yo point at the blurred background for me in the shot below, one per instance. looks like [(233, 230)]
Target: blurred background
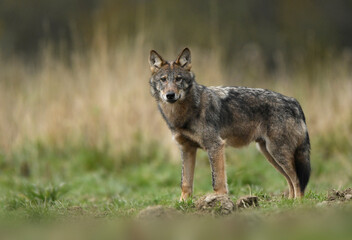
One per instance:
[(75, 107), (288, 27)]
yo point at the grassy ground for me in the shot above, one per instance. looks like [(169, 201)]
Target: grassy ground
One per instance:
[(84, 139), (62, 189), (42, 182)]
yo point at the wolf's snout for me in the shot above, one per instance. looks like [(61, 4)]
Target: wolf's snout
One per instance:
[(170, 96)]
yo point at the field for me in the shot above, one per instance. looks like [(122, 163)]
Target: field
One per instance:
[(81, 136)]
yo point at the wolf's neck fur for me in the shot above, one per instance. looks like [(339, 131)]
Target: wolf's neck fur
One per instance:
[(178, 114)]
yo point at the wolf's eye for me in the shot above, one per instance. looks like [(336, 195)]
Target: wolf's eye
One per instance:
[(178, 79), (163, 79)]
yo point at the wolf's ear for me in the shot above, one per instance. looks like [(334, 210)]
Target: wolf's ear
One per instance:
[(155, 61), (184, 59)]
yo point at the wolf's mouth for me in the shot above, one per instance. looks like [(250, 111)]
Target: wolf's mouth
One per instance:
[(171, 100)]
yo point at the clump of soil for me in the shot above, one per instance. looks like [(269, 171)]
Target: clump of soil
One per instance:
[(337, 197), (345, 195), (215, 204), (247, 202), (157, 212)]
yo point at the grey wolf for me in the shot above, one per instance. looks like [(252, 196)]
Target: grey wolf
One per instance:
[(213, 117)]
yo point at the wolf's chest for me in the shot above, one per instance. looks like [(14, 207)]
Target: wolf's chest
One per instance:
[(181, 135), (176, 117)]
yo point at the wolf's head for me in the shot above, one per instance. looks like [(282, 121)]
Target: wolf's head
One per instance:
[(171, 81)]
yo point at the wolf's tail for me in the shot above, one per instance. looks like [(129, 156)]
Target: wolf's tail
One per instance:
[(302, 162)]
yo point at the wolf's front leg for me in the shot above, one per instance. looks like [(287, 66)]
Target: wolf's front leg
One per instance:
[(188, 154), (218, 171)]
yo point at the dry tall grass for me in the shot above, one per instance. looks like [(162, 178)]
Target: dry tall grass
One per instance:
[(103, 96)]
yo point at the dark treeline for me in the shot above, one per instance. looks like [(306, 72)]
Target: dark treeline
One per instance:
[(287, 25)]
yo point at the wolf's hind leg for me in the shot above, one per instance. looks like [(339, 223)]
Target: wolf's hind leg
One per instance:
[(284, 157), (262, 147)]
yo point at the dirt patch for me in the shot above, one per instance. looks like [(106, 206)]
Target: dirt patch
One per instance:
[(215, 204), (247, 202), (336, 197), (157, 212), (345, 195)]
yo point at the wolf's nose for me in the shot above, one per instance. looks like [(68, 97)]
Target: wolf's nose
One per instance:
[(170, 95)]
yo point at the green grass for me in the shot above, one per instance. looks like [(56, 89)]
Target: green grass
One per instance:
[(41, 182), (44, 184)]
